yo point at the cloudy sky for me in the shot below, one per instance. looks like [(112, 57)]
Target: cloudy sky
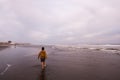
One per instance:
[(60, 21)]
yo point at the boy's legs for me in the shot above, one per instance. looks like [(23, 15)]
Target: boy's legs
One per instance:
[(42, 65)]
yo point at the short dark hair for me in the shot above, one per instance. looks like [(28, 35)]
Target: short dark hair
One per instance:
[(43, 48)]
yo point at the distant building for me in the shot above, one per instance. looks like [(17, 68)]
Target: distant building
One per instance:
[(9, 42)]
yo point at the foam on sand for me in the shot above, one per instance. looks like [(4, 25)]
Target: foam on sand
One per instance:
[(2, 73)]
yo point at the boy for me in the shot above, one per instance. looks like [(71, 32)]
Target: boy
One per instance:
[(42, 55)]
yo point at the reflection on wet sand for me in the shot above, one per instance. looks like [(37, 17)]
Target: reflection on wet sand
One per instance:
[(42, 75), (3, 47)]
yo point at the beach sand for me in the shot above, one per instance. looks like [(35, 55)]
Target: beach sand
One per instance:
[(63, 63)]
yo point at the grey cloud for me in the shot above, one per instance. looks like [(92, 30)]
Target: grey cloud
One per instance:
[(60, 21)]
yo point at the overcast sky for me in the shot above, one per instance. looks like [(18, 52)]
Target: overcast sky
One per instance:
[(60, 21)]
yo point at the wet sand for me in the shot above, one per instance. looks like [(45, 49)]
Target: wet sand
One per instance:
[(3, 47), (63, 63)]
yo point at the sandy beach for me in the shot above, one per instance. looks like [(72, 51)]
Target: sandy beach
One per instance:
[(63, 63)]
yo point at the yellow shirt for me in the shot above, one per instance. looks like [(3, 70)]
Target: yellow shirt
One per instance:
[(42, 54)]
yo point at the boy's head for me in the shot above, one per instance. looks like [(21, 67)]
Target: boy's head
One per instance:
[(43, 48)]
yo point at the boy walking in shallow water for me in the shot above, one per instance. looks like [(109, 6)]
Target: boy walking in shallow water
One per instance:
[(42, 55)]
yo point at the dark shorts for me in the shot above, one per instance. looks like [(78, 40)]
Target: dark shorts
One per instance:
[(42, 59)]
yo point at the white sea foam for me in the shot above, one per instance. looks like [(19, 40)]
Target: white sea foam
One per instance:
[(106, 47), (2, 73)]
